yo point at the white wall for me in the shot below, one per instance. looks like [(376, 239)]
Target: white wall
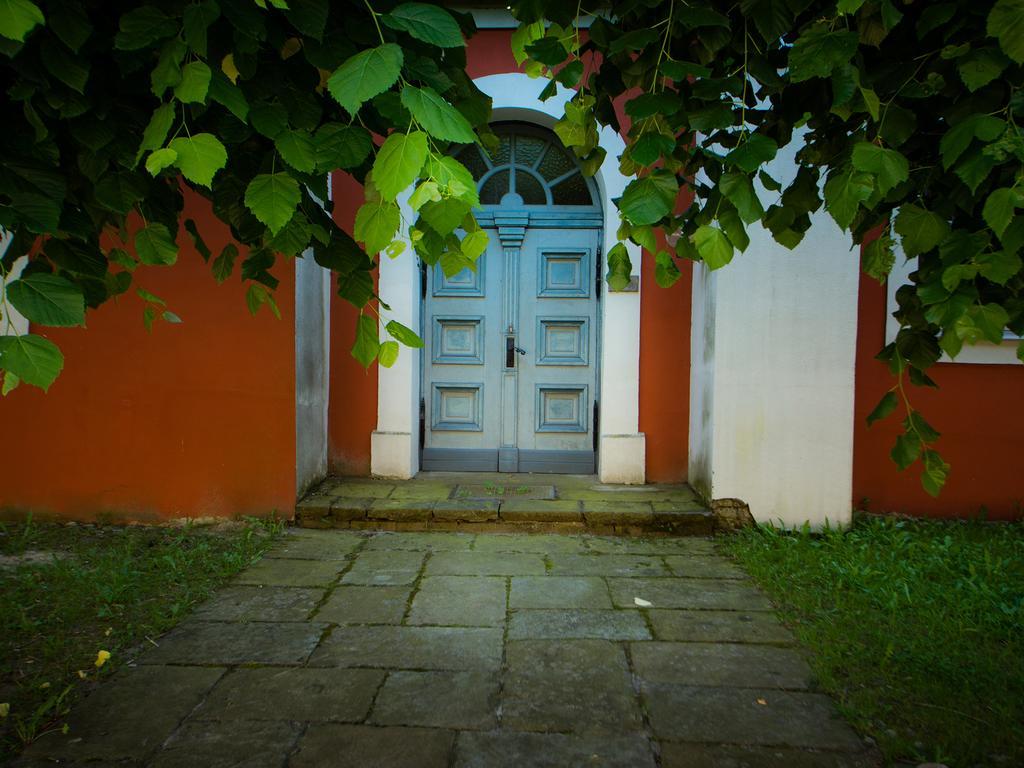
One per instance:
[(772, 376), (13, 323), (312, 329)]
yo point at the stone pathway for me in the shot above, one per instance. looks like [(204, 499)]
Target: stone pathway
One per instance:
[(477, 651)]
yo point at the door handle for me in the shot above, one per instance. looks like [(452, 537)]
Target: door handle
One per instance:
[(510, 351)]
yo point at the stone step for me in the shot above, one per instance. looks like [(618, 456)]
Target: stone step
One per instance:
[(325, 508)]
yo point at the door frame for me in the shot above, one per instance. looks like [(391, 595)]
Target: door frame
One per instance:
[(395, 444)]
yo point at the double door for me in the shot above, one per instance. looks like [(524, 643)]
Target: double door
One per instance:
[(510, 359)]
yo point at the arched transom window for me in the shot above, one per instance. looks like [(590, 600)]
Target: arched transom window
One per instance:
[(530, 162)]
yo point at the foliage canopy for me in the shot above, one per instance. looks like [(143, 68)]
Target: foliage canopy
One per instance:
[(901, 115)]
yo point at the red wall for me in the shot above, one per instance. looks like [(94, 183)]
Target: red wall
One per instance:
[(977, 408), (664, 339), (191, 420)]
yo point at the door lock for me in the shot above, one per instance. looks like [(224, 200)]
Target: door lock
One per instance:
[(510, 351), (520, 350)]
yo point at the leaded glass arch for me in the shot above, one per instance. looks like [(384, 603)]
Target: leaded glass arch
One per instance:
[(532, 163)]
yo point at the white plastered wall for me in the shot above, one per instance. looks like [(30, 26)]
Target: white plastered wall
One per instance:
[(394, 445), (772, 376), (12, 323)]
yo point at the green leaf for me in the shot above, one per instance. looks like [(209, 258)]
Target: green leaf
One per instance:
[(429, 23), (452, 178), (878, 258), (341, 146), (974, 169), (367, 344), (200, 156), (18, 18), (160, 159), (273, 198), (620, 268), (958, 138), (1006, 22), (753, 153), (445, 215), (885, 406), (156, 130), (887, 165), (739, 190), (666, 273), (298, 149), (906, 450), (933, 478), (376, 225), (197, 239), (474, 244), (649, 199), (817, 52), (256, 296), (425, 192), (405, 335), (224, 264), (844, 193), (365, 75), (769, 183), (154, 245), (398, 162), (999, 209), (731, 223), (999, 266), (228, 95), (919, 230), (848, 6), (388, 353), (196, 21), (713, 246), (167, 72), (981, 67), (48, 299), (195, 83), (269, 119), (11, 382), (142, 27), (32, 359), (990, 319), (436, 116)]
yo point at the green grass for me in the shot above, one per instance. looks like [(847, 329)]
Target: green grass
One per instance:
[(917, 630), (114, 589)]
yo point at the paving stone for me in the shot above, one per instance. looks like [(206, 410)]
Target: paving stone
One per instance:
[(362, 746), (728, 595), (608, 565), (295, 694), (650, 546), (227, 745), (726, 756), (363, 490), (129, 716), (462, 700), (410, 648), (468, 511), (385, 568), (719, 626), (401, 510), (291, 573), (508, 749), (535, 543), (314, 506), (617, 493), (346, 508), (201, 642), (554, 624), (700, 567), (365, 605), (677, 506), (419, 489), (260, 604), (421, 542), (559, 592), (540, 510), (618, 512), (323, 545), (734, 716), (568, 686), (746, 666), (469, 601), (485, 564)]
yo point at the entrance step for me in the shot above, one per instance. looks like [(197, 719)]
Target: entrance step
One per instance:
[(506, 504)]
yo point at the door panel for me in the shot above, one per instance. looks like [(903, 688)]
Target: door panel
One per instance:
[(510, 377)]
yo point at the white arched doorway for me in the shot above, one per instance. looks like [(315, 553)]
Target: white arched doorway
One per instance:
[(395, 444)]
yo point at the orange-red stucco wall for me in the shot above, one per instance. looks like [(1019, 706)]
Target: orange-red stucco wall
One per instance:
[(664, 338), (977, 408), (191, 420)]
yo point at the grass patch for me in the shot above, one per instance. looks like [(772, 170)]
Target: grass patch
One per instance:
[(110, 588), (917, 629)]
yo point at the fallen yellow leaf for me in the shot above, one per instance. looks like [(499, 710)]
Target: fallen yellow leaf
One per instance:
[(762, 702), (5, 709), (101, 658)]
